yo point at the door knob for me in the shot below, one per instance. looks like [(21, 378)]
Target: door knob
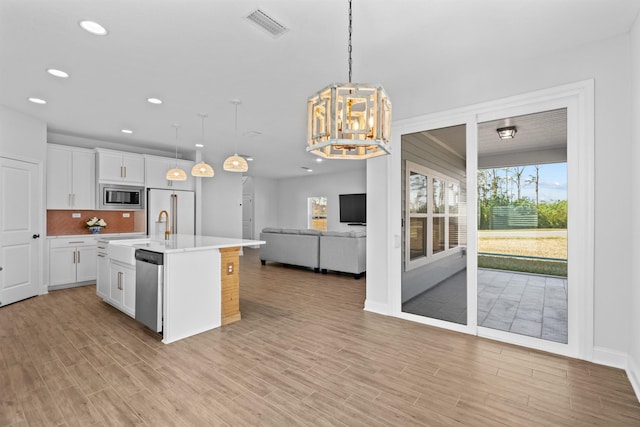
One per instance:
[(36, 236)]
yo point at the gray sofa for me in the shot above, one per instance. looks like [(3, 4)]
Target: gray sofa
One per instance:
[(321, 250), (290, 246)]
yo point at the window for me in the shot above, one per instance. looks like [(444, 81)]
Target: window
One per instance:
[(433, 211), (317, 213)]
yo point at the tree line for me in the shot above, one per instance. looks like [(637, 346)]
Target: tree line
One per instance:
[(503, 187)]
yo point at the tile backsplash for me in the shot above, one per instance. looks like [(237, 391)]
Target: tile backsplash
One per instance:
[(62, 222)]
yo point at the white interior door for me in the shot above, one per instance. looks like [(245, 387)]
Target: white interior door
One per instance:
[(247, 216), (20, 213)]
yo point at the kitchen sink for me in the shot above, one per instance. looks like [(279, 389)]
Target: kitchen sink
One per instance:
[(122, 253)]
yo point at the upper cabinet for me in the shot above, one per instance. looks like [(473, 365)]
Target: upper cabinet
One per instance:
[(156, 171), (120, 167), (70, 178)]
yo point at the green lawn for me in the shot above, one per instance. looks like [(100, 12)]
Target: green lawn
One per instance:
[(532, 243)]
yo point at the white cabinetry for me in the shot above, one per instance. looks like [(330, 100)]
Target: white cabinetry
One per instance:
[(102, 276), (116, 282), (119, 167), (122, 279), (156, 171), (70, 178), (72, 260)]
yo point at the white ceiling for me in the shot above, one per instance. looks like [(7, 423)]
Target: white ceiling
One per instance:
[(197, 55), (535, 133)]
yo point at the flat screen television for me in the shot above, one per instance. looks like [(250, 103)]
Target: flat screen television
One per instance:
[(353, 208)]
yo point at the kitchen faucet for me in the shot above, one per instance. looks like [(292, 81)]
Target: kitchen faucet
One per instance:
[(166, 228)]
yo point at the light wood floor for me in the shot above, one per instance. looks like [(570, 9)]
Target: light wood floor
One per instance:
[(305, 353)]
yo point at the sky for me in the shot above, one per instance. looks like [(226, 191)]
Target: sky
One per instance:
[(553, 182)]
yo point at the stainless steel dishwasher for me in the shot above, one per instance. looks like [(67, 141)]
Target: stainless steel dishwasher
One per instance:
[(149, 279)]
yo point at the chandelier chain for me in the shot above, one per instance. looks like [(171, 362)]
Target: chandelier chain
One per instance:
[(350, 47)]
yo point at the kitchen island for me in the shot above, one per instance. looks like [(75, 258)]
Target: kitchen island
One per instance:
[(198, 282)]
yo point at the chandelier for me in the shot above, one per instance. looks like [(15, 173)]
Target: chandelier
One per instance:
[(349, 120)]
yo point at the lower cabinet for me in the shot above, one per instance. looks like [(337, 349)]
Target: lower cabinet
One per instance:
[(103, 280), (72, 260), (122, 287)]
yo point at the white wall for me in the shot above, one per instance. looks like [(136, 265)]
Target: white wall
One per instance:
[(634, 335), (265, 204), (293, 194), (24, 138), (608, 62), (221, 199)]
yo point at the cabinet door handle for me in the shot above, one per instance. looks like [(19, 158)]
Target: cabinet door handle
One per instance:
[(74, 257), (101, 255), (121, 176), (78, 257), (125, 171), (120, 280)]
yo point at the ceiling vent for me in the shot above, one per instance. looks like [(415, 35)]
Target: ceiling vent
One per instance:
[(267, 23)]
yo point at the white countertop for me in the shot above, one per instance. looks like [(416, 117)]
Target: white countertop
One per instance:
[(99, 236), (183, 243)]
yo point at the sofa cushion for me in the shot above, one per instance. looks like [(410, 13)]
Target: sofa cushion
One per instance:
[(290, 231), (310, 232), (336, 233), (358, 233), (271, 230)]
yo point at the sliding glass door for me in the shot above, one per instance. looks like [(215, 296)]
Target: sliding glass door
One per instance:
[(434, 189)]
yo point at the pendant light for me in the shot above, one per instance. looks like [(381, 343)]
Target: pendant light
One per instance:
[(202, 169), (349, 120), (236, 163), (176, 174)]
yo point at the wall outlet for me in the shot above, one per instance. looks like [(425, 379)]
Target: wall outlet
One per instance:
[(126, 214), (230, 268), (75, 215)]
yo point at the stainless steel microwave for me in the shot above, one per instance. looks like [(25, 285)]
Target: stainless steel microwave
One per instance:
[(120, 197)]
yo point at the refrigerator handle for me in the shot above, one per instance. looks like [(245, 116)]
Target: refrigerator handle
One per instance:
[(174, 214)]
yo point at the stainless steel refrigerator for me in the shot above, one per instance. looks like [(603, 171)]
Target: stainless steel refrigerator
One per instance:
[(179, 204)]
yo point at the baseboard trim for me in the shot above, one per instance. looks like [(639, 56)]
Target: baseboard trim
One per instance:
[(608, 357), (71, 285), (376, 307), (634, 375)]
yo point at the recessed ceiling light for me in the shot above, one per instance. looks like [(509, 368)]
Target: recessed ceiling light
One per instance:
[(93, 28), (154, 101), (199, 145), (58, 73), (306, 168), (249, 159), (126, 131), (37, 100), (318, 160)]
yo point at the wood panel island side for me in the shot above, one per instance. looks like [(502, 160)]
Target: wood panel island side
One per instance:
[(199, 281)]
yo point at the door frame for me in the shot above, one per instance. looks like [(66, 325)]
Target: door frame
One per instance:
[(578, 98)]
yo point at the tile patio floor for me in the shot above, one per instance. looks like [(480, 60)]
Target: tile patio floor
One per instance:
[(525, 304)]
